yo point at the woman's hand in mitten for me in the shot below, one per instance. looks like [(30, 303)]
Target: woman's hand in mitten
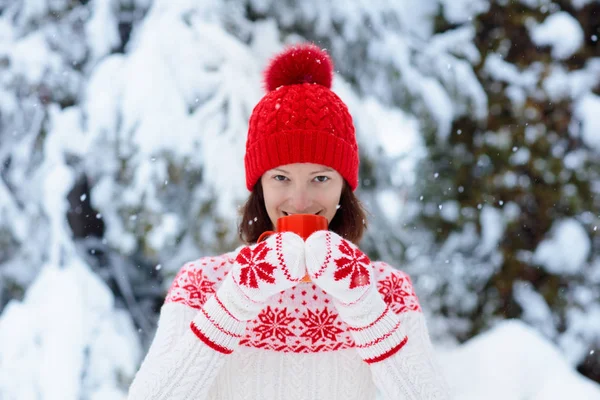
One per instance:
[(258, 272), (261, 271), (338, 267), (341, 269)]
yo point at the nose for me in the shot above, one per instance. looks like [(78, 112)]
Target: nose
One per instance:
[(300, 199)]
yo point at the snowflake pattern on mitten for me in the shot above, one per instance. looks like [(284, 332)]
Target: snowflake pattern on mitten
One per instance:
[(255, 267)]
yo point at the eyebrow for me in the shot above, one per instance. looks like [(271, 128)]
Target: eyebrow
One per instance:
[(312, 173), (321, 171)]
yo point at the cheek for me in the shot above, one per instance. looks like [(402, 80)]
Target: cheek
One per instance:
[(273, 199), (333, 201), (330, 201)]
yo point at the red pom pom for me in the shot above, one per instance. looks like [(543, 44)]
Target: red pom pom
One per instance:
[(305, 63)]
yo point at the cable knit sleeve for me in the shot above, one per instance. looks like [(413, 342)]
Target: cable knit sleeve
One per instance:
[(412, 372), (182, 362)]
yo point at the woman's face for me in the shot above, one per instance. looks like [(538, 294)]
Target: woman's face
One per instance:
[(301, 188)]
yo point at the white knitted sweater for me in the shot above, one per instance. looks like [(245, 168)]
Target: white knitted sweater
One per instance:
[(297, 348)]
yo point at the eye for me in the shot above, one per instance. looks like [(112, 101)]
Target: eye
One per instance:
[(321, 178), (280, 178)]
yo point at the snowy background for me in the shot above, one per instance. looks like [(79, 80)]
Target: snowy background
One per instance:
[(122, 132)]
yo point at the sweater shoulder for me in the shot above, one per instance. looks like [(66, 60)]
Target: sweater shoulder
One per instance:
[(197, 280), (396, 288)]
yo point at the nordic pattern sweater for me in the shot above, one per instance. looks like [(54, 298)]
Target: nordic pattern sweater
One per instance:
[(297, 348)]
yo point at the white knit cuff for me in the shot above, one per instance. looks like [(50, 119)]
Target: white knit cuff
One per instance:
[(236, 302), (217, 327), (363, 311), (380, 339), (375, 328)]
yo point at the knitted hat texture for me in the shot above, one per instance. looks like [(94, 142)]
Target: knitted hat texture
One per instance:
[(300, 120)]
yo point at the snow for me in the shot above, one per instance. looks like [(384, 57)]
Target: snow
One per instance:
[(388, 131), (521, 82), (561, 84), (192, 117), (587, 110), (102, 30), (561, 32), (102, 101), (556, 85), (566, 250), (450, 210), (391, 203), (582, 329), (440, 104), (396, 132), (30, 55), (492, 228), (460, 11), (579, 4), (521, 156), (165, 231), (525, 366), (415, 15), (503, 71), (440, 75), (535, 309), (65, 328)]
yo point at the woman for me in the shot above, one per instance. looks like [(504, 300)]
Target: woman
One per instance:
[(243, 325)]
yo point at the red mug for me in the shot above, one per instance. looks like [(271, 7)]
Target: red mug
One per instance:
[(301, 224)]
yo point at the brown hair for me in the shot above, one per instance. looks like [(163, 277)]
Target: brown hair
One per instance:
[(350, 221)]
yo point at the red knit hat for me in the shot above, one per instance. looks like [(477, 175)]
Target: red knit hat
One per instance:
[(300, 120)]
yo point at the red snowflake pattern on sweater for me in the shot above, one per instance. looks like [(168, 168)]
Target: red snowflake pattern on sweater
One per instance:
[(274, 323), (353, 263), (302, 319), (320, 325), (190, 287), (397, 291)]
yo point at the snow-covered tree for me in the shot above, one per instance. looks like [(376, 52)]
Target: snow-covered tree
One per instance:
[(513, 202), (61, 327)]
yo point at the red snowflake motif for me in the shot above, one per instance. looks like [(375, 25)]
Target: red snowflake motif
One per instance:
[(190, 287), (275, 324), (397, 291), (355, 264), (254, 266), (198, 286), (320, 325)]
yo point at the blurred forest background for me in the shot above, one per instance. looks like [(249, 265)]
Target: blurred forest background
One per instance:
[(122, 133)]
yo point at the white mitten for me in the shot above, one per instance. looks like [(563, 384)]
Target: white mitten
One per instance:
[(342, 270), (259, 272)]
